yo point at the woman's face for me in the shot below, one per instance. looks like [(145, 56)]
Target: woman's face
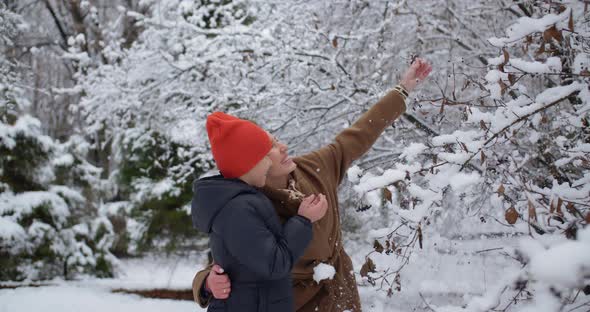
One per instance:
[(257, 175), (282, 164)]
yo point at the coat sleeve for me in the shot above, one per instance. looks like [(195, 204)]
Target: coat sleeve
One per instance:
[(354, 141), (199, 287), (248, 239)]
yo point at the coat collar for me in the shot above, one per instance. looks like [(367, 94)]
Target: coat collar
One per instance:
[(286, 201)]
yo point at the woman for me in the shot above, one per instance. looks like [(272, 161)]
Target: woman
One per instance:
[(245, 234), (321, 171)]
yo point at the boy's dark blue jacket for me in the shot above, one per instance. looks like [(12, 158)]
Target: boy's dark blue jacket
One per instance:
[(249, 242)]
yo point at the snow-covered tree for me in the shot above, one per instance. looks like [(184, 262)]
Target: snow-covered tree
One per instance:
[(516, 162), (493, 146), (43, 230)]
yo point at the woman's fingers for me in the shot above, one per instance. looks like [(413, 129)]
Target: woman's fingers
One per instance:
[(317, 198), (320, 207), (426, 72), (322, 204), (223, 285), (308, 200), (217, 269), (419, 69), (316, 204), (419, 62), (220, 285), (423, 70), (223, 295)]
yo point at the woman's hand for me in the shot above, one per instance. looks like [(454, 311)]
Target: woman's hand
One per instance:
[(418, 71), (218, 283), (313, 207)]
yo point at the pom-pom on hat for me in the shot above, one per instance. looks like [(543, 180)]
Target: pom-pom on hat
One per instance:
[(237, 145)]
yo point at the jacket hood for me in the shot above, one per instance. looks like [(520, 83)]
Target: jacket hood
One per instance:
[(210, 195)]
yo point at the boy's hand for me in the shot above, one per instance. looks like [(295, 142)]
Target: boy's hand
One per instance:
[(218, 283), (313, 207)]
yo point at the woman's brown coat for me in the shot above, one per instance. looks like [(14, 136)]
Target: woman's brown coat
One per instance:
[(322, 171)]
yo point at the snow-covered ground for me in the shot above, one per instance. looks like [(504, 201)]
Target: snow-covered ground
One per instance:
[(88, 297), (171, 272), (450, 273), (95, 294)]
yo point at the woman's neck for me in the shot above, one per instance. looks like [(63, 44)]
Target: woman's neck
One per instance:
[(278, 182)]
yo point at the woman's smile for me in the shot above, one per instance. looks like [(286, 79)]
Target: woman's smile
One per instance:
[(286, 160)]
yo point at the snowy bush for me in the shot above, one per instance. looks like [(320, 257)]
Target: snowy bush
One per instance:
[(40, 236), (156, 175), (44, 230), (39, 239)]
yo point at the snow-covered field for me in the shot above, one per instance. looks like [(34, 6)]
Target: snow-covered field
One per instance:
[(450, 273), (95, 294), (88, 297)]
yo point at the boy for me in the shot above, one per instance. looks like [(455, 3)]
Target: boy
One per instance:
[(246, 237)]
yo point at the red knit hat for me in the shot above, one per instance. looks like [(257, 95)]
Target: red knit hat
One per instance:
[(237, 145)]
